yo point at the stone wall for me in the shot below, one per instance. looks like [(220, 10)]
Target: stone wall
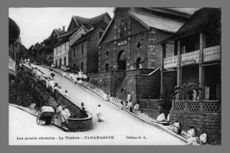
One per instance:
[(205, 116), (31, 90), (148, 86)]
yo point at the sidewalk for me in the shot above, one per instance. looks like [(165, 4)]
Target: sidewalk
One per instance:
[(115, 101)]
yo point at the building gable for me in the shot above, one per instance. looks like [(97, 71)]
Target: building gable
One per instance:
[(122, 22), (72, 25)]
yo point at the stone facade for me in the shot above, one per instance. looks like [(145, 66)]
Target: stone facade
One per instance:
[(84, 54), (128, 45), (205, 116)]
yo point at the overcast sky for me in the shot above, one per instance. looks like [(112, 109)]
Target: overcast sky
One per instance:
[(36, 24)]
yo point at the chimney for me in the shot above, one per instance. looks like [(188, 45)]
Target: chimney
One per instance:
[(63, 28)]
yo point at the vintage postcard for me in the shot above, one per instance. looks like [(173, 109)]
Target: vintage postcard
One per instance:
[(114, 76)]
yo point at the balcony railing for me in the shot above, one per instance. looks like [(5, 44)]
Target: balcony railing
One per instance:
[(210, 54), (190, 58), (170, 62)]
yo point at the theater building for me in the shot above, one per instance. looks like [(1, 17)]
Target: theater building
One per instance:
[(129, 50)]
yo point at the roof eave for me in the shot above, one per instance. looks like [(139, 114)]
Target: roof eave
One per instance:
[(107, 28)]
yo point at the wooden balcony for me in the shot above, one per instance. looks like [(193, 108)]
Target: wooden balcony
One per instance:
[(170, 62), (210, 54), (190, 58)]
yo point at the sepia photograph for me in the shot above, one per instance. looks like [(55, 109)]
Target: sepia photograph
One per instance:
[(114, 76)]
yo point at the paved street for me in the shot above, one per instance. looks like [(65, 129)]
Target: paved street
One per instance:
[(118, 123)]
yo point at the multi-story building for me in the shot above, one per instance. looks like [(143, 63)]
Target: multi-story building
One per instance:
[(84, 49), (130, 48), (194, 66), (78, 27)]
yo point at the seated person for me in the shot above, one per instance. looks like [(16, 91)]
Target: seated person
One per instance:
[(161, 117), (175, 127), (106, 97), (83, 113), (136, 107), (190, 133), (203, 138)]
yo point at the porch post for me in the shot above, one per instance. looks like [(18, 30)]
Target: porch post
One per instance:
[(201, 68), (179, 70), (162, 68)]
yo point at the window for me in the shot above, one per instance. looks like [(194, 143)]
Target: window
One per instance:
[(65, 61), (107, 53), (60, 62), (82, 49), (138, 45)]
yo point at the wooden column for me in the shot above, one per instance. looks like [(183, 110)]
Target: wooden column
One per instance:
[(162, 68), (201, 68), (179, 69)]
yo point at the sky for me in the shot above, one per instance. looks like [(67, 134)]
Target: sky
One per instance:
[(36, 24)]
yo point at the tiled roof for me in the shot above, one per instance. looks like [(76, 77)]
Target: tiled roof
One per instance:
[(83, 37), (89, 22), (165, 19), (201, 20), (59, 32), (158, 22), (64, 37)]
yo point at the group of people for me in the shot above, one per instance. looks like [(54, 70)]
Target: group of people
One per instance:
[(128, 104), (63, 114), (190, 134)]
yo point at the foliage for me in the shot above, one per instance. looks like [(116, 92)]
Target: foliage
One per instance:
[(187, 89)]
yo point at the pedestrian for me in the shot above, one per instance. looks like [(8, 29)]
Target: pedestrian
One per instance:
[(129, 97), (58, 112), (65, 114), (130, 106), (99, 114), (66, 93), (52, 75)]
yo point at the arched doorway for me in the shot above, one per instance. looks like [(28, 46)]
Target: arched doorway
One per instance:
[(138, 63), (121, 60)]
